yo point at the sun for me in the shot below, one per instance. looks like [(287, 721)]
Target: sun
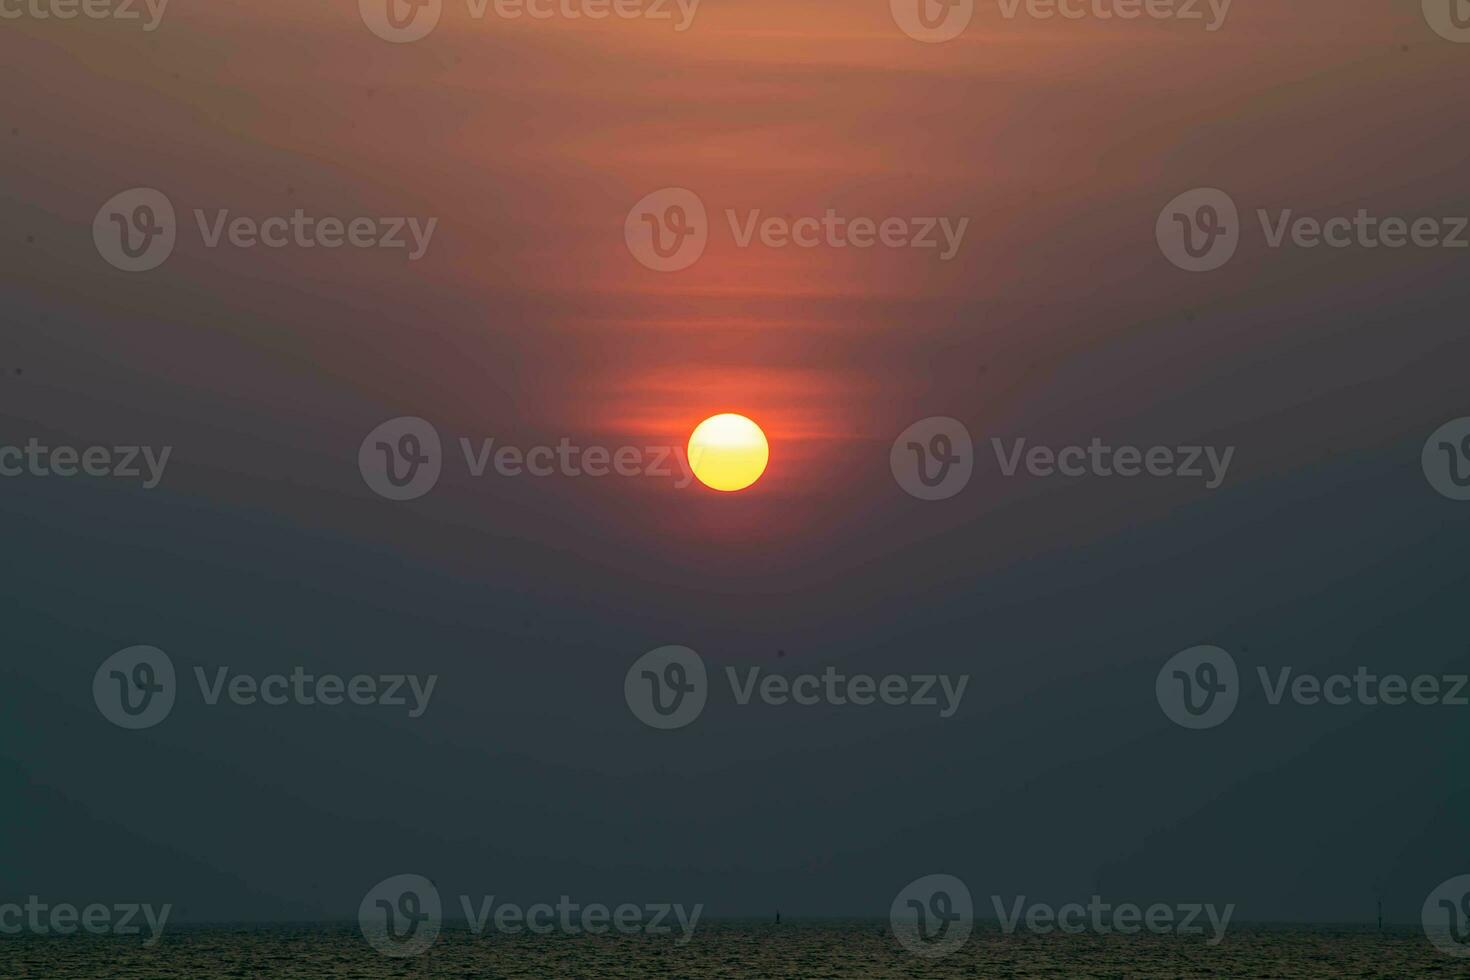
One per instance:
[(728, 452)]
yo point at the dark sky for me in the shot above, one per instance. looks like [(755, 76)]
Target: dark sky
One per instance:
[(528, 322)]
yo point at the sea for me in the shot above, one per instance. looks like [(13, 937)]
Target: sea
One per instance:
[(804, 949)]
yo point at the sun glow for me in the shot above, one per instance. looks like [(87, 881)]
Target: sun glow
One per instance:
[(728, 452)]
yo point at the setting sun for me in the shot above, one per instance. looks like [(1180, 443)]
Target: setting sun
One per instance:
[(728, 452)]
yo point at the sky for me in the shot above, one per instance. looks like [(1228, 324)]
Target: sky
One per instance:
[(527, 320)]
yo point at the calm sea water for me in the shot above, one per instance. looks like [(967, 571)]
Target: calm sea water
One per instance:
[(731, 949)]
